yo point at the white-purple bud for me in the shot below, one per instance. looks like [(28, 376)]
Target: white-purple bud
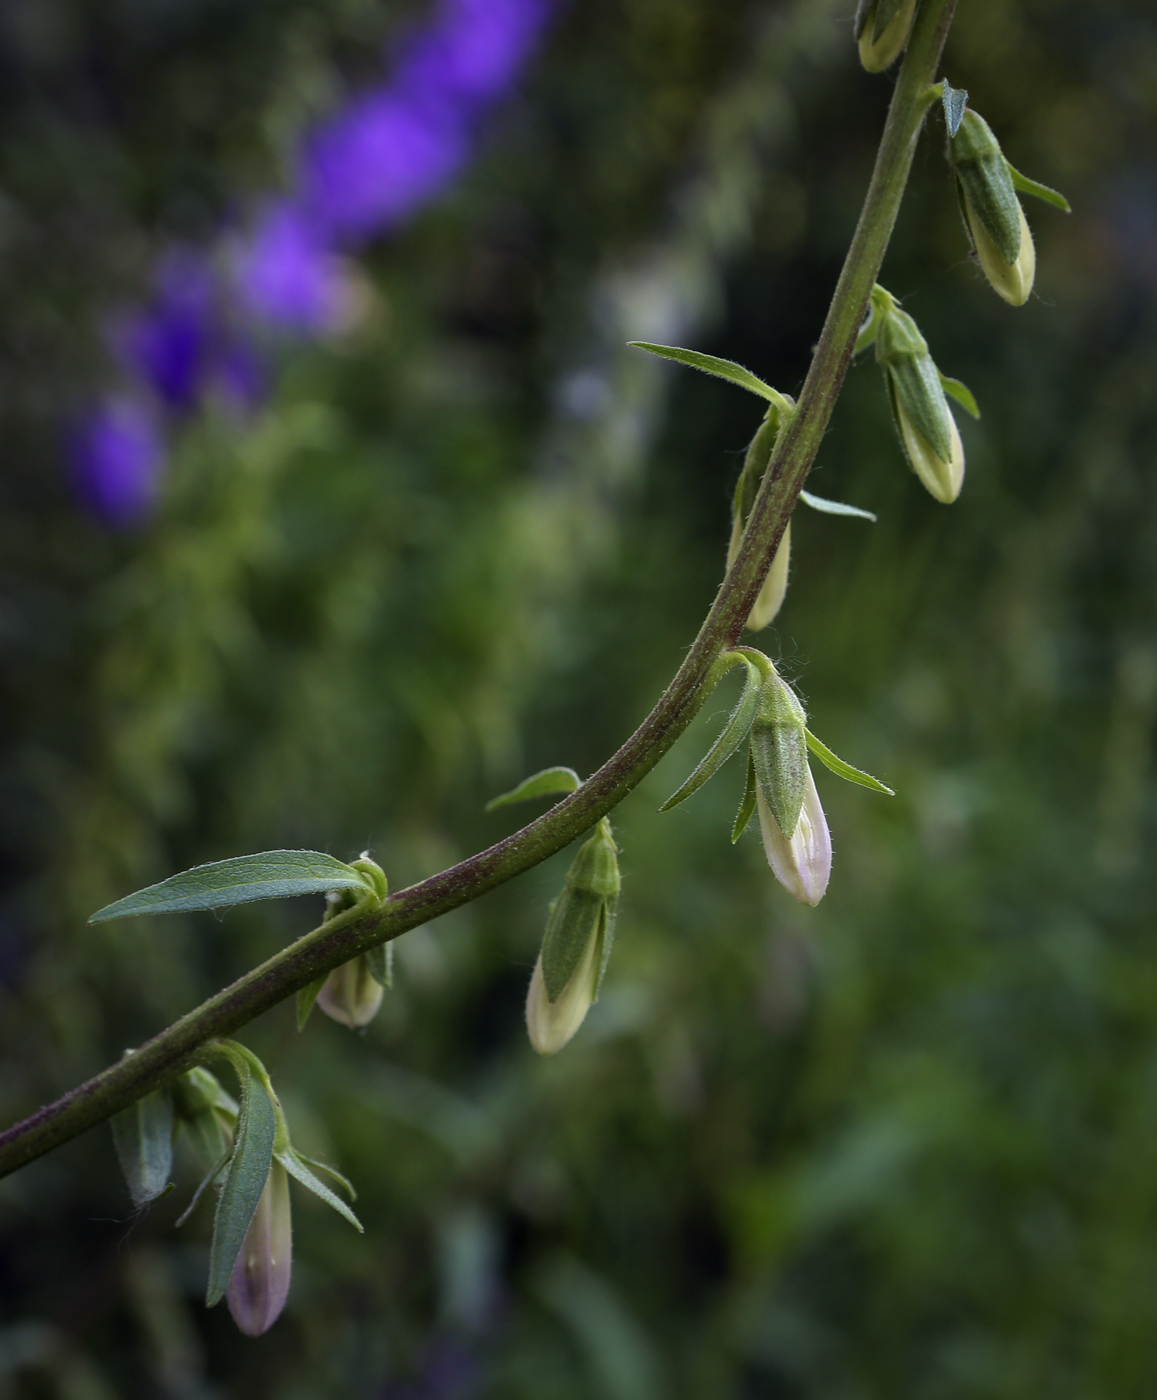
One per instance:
[(802, 863), (259, 1284)]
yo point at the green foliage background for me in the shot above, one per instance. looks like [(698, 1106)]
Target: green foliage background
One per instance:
[(904, 1144)]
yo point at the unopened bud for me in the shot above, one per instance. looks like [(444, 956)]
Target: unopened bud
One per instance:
[(771, 595), (259, 1284), (207, 1114), (927, 429), (351, 994), (802, 863), (992, 212), (882, 28), (779, 751), (576, 945)]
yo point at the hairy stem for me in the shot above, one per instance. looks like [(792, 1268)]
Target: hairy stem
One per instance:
[(327, 947)]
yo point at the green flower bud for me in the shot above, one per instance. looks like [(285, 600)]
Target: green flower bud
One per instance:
[(779, 751), (259, 1284), (927, 429), (992, 213), (774, 589), (576, 945), (882, 28), (351, 993)]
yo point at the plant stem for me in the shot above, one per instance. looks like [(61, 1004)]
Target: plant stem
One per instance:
[(181, 1045)]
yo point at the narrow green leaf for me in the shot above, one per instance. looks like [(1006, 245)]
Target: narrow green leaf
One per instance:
[(244, 1181), (344, 1182), (268, 875), (143, 1137), (747, 806), (731, 736), (1034, 187), (842, 769), (306, 996), (297, 1169), (380, 961), (712, 364), (955, 100), (545, 784), (821, 503), (961, 393)]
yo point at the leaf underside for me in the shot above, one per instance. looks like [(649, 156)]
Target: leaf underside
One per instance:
[(143, 1137), (821, 503), (239, 880), (549, 782), (295, 1165)]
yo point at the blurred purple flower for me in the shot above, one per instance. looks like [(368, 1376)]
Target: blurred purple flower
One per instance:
[(370, 166), (118, 453), (362, 172), (287, 276)]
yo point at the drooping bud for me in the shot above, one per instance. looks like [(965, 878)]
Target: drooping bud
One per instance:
[(576, 945), (992, 213), (259, 1284), (882, 28), (779, 750), (774, 589), (927, 429), (351, 993), (802, 863)]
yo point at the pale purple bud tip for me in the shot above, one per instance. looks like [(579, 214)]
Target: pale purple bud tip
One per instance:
[(259, 1285), (802, 865)]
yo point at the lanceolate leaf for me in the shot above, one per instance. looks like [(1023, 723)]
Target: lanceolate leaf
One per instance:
[(380, 961), (143, 1136), (306, 996), (844, 770), (239, 880), (296, 1168), (961, 393), (821, 503), (712, 364), (244, 1181), (545, 784), (1034, 187), (732, 735), (747, 806)]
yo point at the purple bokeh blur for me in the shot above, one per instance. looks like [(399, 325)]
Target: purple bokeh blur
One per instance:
[(390, 151), (117, 456)]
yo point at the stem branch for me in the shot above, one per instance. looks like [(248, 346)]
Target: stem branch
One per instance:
[(180, 1046)]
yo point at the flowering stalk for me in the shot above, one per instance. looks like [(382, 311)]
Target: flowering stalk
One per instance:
[(302, 963)]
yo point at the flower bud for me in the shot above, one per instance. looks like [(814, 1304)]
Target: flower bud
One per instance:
[(576, 945), (771, 595), (802, 863), (259, 1284), (882, 28), (351, 994), (207, 1114), (927, 429), (779, 751), (992, 212)]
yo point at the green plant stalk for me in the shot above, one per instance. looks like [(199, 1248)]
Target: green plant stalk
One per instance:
[(183, 1044)]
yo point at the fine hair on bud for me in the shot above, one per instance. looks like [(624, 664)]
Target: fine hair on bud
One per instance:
[(259, 1283), (882, 29), (992, 212), (924, 423), (351, 994), (576, 945)]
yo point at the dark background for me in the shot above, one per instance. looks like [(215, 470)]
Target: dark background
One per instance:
[(903, 1144)]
